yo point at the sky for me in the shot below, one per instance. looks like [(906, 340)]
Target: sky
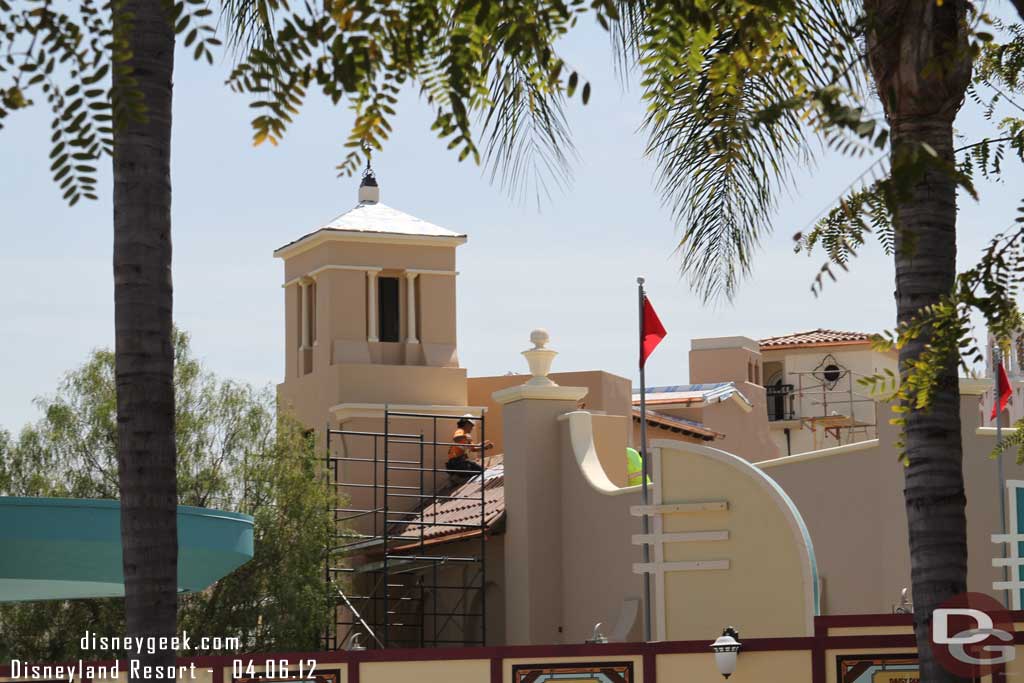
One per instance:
[(569, 266)]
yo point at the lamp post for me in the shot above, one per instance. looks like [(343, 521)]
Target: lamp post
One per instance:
[(598, 638), (726, 649)]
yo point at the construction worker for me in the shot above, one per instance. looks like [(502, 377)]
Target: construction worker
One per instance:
[(459, 464), (634, 468)]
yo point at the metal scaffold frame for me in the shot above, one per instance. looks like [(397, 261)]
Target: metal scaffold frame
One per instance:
[(402, 599)]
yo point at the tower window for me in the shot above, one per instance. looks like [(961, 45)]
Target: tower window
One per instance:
[(388, 311)]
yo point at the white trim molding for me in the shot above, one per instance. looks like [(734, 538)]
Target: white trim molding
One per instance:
[(325, 235), (683, 537), (1013, 539), (691, 566), (428, 271), (410, 304), (371, 306), (343, 412), (680, 508), (313, 273), (991, 431), (551, 392)]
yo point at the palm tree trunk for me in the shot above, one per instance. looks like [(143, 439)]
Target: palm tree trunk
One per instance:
[(917, 51), (144, 352), (934, 493)]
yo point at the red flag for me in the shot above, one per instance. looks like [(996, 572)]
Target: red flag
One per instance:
[(1003, 391), (651, 333)]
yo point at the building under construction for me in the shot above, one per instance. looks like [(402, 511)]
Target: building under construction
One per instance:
[(412, 539)]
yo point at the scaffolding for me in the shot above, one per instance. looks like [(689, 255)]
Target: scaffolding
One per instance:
[(392, 584), (824, 402)]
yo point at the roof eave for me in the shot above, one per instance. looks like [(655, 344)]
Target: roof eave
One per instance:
[(324, 235), (813, 345)]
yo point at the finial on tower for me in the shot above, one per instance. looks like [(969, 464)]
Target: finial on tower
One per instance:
[(369, 191), (539, 358)]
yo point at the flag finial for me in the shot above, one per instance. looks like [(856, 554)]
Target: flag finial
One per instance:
[(640, 280)]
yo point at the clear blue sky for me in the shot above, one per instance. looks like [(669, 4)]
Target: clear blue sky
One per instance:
[(569, 267)]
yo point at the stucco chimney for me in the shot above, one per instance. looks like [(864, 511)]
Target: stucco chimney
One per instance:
[(369, 191)]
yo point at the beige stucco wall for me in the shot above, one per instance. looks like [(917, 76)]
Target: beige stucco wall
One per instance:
[(605, 393), (762, 667), (452, 671), (734, 359), (611, 433), (534, 504), (860, 359), (386, 255), (597, 553), (852, 502), (311, 397)]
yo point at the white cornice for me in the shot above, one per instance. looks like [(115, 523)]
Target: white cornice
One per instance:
[(549, 392), (325, 235), (367, 269), (427, 271), (975, 386), (364, 269), (991, 431), (343, 412)]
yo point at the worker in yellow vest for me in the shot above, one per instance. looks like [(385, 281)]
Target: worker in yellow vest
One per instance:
[(635, 468)]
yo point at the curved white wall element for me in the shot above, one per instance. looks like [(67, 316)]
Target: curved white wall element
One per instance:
[(789, 510), (581, 435)]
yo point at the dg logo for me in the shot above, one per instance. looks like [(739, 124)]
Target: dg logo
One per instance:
[(971, 634)]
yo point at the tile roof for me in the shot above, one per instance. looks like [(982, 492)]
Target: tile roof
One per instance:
[(458, 513), (697, 394), (818, 337), (678, 424)]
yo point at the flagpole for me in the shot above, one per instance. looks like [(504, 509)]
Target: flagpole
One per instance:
[(645, 546), (998, 353)]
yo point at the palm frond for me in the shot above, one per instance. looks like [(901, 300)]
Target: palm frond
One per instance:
[(528, 146), (246, 24), (721, 161), (626, 36)]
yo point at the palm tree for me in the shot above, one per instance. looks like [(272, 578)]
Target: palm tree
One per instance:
[(144, 351), (133, 42), (918, 55), (721, 165)]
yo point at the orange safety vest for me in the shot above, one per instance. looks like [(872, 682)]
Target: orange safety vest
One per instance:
[(460, 437)]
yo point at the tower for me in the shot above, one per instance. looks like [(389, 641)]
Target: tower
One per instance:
[(370, 314), (371, 363)]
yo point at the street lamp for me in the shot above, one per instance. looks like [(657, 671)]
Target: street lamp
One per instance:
[(598, 638), (354, 643), (726, 649)]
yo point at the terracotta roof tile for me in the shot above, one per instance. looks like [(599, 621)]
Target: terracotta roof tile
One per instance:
[(818, 337), (690, 428), (458, 514)]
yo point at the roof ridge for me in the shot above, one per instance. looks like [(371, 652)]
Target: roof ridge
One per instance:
[(815, 337)]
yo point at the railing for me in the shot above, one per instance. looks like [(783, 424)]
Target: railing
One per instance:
[(780, 400)]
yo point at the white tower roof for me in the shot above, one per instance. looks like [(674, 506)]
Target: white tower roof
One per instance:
[(371, 221)]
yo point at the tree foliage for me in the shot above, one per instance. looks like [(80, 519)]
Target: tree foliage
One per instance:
[(989, 288), (64, 54), (234, 454)]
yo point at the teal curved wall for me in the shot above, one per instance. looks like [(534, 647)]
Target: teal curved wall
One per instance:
[(63, 548)]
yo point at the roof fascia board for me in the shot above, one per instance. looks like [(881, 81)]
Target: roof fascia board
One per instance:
[(325, 235)]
